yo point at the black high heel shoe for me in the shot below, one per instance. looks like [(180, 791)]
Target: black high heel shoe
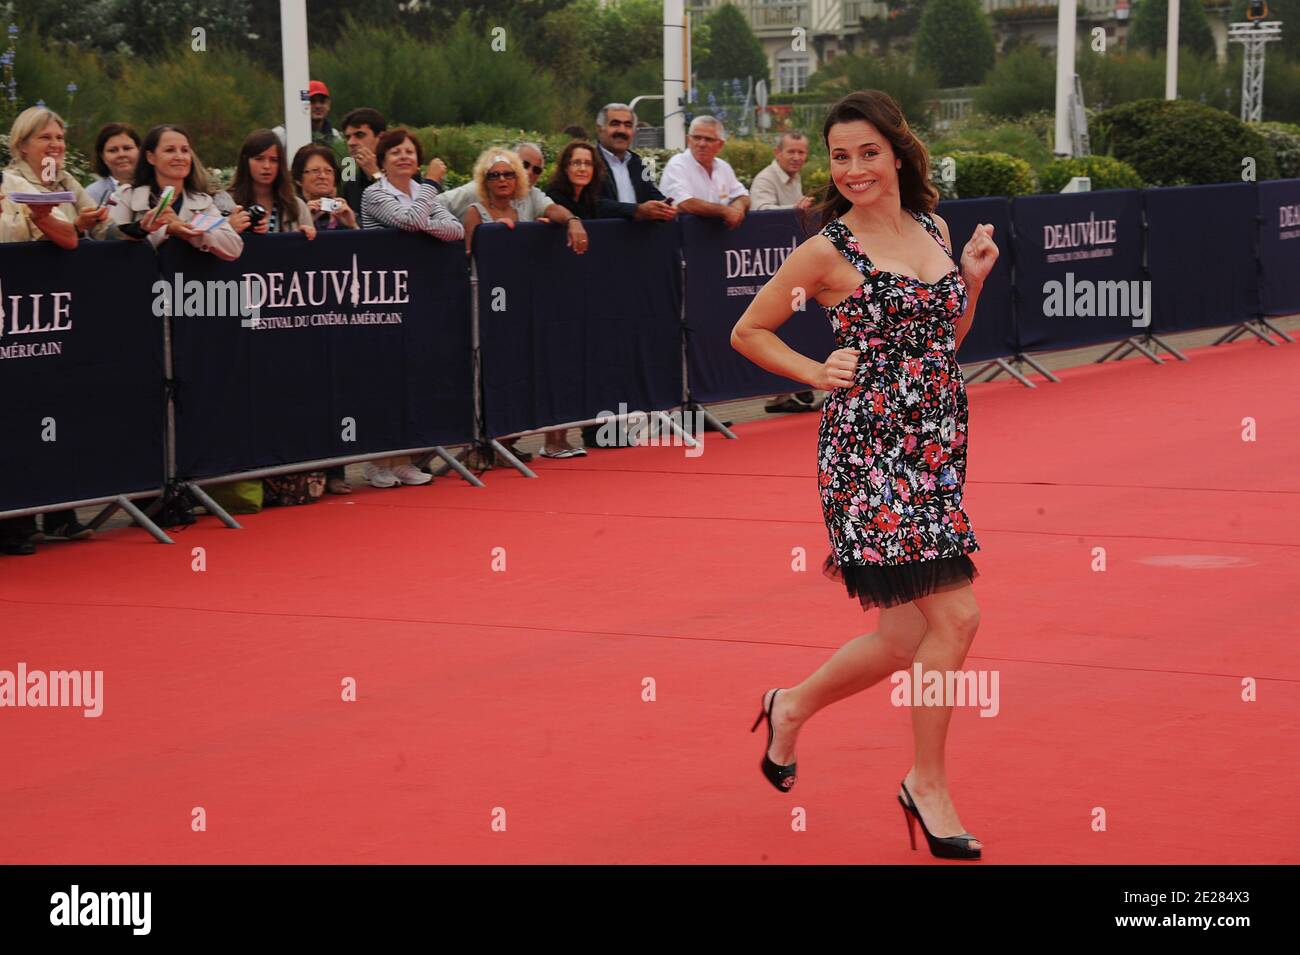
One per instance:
[(948, 847), (782, 777)]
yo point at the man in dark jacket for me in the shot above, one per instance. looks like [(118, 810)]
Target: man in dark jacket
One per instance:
[(627, 180)]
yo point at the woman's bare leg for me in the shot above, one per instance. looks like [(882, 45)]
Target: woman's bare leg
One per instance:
[(860, 663), (952, 617)]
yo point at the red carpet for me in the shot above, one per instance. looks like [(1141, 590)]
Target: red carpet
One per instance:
[(523, 689)]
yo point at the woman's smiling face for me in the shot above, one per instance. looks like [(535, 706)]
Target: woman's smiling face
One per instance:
[(862, 162)]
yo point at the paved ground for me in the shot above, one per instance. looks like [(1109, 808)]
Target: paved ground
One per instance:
[(750, 409)]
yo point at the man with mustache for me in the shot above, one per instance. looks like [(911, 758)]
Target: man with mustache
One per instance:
[(626, 178)]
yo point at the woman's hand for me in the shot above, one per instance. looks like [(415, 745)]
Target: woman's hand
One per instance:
[(239, 219), (87, 219), (309, 231), (577, 240), (838, 370), (345, 214), (153, 220), (263, 227), (979, 255), (174, 226)]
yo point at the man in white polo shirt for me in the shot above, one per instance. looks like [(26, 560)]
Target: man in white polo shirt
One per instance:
[(699, 182), (779, 186)]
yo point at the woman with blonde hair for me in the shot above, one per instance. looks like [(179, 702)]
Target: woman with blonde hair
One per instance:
[(38, 145), (506, 195)]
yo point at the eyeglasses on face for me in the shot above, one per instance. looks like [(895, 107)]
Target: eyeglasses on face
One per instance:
[(696, 137), (580, 163), (506, 174), (530, 167)]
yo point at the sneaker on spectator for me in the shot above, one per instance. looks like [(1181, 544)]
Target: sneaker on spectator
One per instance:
[(410, 474), (379, 477), (338, 485)]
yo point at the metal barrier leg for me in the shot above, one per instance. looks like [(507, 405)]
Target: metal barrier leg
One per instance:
[(710, 419), (1232, 334), (139, 517), (1258, 334), (454, 464), (1140, 346), (213, 508), (104, 515), (1118, 345), (1037, 367), (1274, 329), (687, 438), (1167, 347), (511, 460)]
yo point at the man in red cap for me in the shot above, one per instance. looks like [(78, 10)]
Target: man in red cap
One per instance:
[(321, 130)]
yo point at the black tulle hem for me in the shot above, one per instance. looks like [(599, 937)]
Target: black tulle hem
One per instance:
[(881, 585)]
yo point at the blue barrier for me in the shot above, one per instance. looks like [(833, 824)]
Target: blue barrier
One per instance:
[(361, 345), (81, 374), (1195, 283), (993, 332), (1066, 246), (564, 337), (725, 268), (1279, 246)]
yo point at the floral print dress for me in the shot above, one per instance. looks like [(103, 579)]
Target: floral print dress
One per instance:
[(891, 453)]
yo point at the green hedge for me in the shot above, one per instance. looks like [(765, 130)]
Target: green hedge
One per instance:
[(1176, 142), (1284, 140), (991, 174), (1106, 172)]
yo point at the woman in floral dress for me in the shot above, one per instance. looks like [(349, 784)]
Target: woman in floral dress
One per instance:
[(892, 443)]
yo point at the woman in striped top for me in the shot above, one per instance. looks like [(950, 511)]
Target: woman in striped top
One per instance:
[(399, 199)]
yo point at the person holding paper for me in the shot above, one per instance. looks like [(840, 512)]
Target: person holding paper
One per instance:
[(37, 144), (168, 160)]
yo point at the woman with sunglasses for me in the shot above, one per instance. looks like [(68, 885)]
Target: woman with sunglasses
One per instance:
[(506, 195)]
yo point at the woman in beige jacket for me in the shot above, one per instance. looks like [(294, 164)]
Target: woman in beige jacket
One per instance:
[(167, 159)]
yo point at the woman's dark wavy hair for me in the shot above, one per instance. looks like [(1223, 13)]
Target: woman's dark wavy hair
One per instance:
[(561, 183), (241, 188), (880, 110), (145, 175)]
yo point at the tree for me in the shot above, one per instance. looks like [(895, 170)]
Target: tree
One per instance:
[(735, 51), (145, 28), (1150, 29), (955, 39)]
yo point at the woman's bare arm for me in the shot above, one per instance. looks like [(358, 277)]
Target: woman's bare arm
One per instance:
[(798, 280), (973, 288)]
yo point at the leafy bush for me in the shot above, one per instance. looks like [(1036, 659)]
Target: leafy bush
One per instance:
[(459, 146), (991, 174), (814, 179), (1025, 138), (955, 37), (219, 97), (456, 78), (748, 157), (1023, 81), (1284, 140), (1281, 89), (1106, 172), (912, 87), (1175, 142)]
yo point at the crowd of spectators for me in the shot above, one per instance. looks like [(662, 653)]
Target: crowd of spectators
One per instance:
[(387, 184)]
